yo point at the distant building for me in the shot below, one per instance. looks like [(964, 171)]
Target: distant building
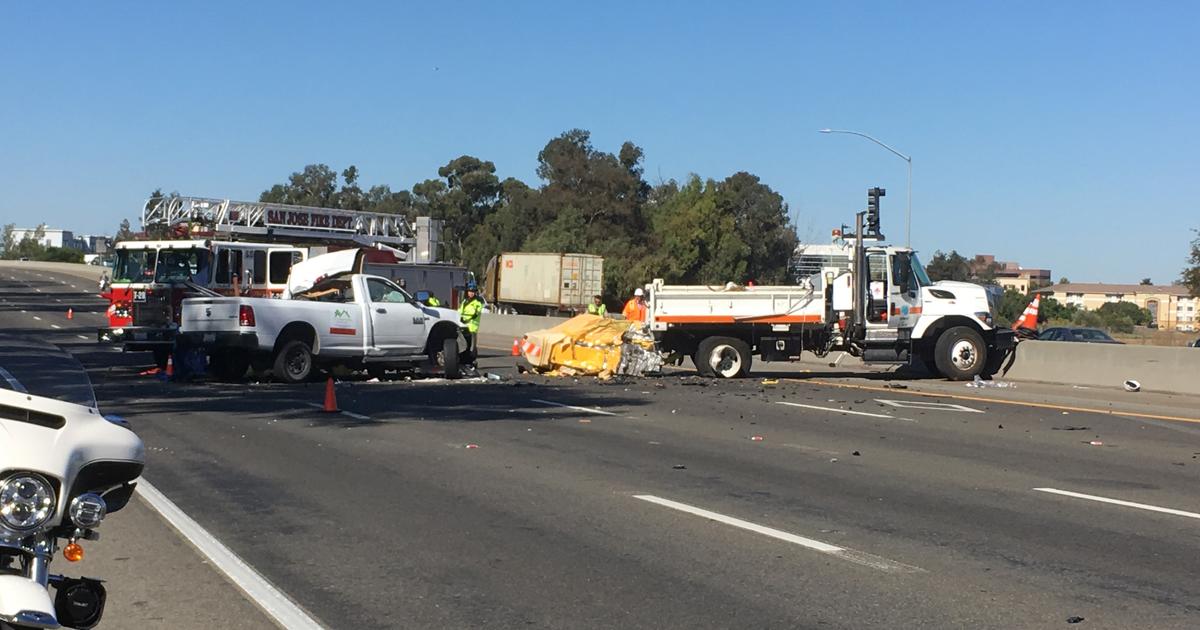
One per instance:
[(1009, 275), (50, 237), (1171, 306)]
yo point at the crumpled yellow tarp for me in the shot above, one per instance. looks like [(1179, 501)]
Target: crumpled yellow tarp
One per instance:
[(582, 345)]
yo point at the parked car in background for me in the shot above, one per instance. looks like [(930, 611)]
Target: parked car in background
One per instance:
[(1085, 335)]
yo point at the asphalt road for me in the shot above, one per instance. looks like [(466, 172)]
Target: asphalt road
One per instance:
[(822, 501)]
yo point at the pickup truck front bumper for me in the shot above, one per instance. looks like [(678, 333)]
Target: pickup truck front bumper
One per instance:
[(243, 340)]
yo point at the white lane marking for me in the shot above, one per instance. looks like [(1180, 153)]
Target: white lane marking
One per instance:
[(274, 602), (1141, 506), (921, 404), (55, 326), (356, 416), (858, 557), (587, 409), (12, 381), (84, 337), (836, 410)]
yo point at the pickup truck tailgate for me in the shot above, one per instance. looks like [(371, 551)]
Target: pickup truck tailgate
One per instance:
[(210, 315)]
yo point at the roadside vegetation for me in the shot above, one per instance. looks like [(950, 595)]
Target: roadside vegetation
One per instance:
[(30, 246), (702, 231)]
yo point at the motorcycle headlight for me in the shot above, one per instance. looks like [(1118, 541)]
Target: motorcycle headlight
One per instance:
[(26, 502), (87, 510)]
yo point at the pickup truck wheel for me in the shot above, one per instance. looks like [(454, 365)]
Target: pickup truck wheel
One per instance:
[(723, 357), (960, 353), (450, 358), (294, 362)]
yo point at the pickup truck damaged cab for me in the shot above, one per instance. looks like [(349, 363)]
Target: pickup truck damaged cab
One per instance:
[(350, 319)]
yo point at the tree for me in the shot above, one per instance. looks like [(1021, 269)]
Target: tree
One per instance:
[(1012, 305), (1064, 280), (1122, 316), (1146, 282), (696, 240), (1051, 310), (1191, 275), (10, 240), (123, 232), (760, 218), (950, 266), (316, 185)]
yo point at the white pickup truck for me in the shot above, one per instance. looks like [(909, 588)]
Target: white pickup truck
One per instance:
[(327, 319)]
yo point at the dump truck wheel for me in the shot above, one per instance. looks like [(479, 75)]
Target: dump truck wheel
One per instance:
[(960, 353), (723, 357)]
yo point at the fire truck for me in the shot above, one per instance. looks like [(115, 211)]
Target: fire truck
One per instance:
[(220, 247)]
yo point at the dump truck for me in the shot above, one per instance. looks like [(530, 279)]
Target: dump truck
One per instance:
[(542, 284), (856, 295)]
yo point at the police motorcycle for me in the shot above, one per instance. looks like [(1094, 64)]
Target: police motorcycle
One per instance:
[(64, 467)]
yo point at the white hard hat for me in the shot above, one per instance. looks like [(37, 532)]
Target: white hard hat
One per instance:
[(638, 292)]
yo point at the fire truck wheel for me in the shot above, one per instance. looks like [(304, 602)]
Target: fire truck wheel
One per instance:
[(294, 362), (960, 353), (723, 357)]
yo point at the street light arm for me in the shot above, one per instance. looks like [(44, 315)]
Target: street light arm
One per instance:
[(871, 138)]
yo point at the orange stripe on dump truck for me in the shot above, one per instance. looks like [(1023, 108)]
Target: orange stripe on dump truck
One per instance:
[(729, 319)]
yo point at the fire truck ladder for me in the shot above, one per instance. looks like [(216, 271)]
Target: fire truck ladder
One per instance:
[(261, 220)]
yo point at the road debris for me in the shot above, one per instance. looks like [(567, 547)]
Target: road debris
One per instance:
[(584, 421), (679, 467), (587, 345), (896, 386), (756, 438), (856, 454), (770, 381), (979, 382), (472, 446), (1070, 428), (1133, 386), (1074, 619), (1095, 443)]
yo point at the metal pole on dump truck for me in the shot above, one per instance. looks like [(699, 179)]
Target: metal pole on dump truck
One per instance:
[(865, 298)]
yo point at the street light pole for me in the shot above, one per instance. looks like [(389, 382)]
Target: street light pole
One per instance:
[(906, 158)]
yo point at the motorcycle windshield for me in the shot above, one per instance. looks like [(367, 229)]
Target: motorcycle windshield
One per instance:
[(37, 368)]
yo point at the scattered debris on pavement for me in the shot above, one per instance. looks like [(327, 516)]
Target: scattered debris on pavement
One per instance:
[(1070, 428), (896, 386), (756, 438), (1133, 386), (979, 382), (1074, 619), (770, 381), (1095, 443), (679, 467)]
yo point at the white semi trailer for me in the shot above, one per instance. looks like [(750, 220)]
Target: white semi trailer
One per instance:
[(879, 305)]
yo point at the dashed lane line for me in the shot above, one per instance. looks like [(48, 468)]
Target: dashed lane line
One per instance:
[(586, 409), (857, 557), (1140, 506), (849, 411), (1000, 401)]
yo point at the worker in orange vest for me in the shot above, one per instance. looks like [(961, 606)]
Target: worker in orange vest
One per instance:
[(635, 308)]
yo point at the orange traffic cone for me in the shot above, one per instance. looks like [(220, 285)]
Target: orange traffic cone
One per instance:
[(70, 313), (170, 365), (330, 397), (516, 351), (1029, 318)]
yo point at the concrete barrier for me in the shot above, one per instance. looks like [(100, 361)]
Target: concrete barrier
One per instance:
[(1156, 368), (516, 325), (86, 272)]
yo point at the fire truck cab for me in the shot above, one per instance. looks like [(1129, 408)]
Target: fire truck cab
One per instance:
[(150, 279)]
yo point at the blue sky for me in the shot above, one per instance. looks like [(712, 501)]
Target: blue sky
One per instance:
[(1055, 134)]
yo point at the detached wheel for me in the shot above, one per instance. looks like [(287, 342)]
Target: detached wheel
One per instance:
[(960, 354), (449, 357), (723, 357), (294, 362)]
